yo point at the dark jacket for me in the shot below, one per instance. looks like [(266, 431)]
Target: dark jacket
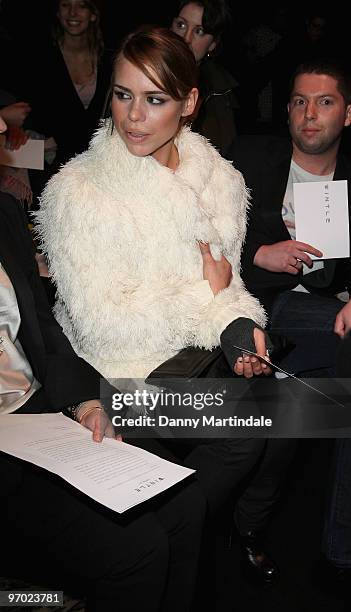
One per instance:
[(56, 107), (216, 116), (66, 379), (265, 164)]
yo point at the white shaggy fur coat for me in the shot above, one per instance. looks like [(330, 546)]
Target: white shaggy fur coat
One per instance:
[(121, 234)]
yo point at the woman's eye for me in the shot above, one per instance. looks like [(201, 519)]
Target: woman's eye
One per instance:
[(121, 95), (179, 24), (153, 100), (199, 32)]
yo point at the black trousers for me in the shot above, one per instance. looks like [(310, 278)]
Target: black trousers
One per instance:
[(144, 559), (221, 464), (247, 470), (254, 506)]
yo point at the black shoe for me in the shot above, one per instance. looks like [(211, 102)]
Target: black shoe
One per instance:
[(257, 564)]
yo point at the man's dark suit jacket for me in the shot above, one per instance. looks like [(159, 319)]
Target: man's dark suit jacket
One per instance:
[(65, 378), (265, 163)]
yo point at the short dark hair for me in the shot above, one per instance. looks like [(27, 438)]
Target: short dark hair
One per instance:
[(216, 17), (331, 68)]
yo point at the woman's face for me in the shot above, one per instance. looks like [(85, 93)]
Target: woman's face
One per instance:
[(75, 16), (188, 25), (146, 118)]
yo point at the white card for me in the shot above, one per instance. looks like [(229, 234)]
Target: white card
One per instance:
[(322, 217), (30, 155)]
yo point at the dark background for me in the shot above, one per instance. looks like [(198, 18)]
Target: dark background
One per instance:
[(29, 21)]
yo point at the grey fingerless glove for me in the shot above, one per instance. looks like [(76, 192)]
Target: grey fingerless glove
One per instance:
[(240, 333)]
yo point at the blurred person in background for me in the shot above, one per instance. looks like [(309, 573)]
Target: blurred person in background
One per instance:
[(202, 24), (71, 79), (15, 180), (256, 92)]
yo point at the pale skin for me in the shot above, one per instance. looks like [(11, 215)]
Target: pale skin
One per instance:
[(97, 421), (146, 117), (317, 115), (188, 25)]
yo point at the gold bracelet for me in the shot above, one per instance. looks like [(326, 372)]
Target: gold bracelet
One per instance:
[(73, 410), (87, 411)]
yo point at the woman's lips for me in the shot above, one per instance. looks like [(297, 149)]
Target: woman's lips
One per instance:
[(136, 136)]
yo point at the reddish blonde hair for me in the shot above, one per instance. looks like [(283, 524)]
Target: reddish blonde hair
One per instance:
[(158, 51)]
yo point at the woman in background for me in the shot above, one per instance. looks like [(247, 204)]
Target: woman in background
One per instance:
[(71, 79), (202, 23)]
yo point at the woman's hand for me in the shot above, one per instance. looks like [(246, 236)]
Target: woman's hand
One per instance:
[(217, 273), (248, 365), (96, 419)]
